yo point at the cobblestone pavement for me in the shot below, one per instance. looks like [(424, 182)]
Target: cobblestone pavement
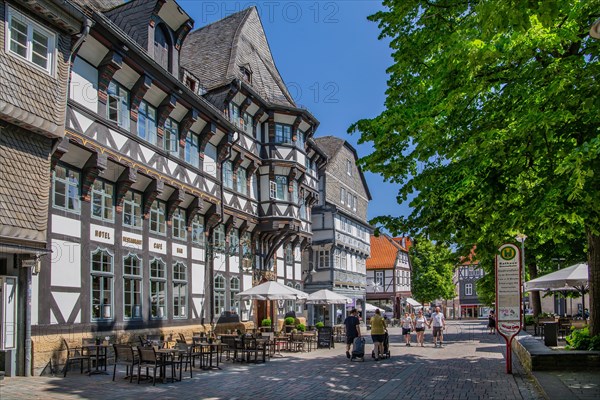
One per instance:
[(471, 365)]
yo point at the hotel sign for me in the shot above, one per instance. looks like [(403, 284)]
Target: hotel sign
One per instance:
[(102, 234)]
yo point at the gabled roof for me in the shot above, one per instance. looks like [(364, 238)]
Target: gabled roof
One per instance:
[(331, 145), (404, 242), (215, 53), (384, 252), (100, 5)]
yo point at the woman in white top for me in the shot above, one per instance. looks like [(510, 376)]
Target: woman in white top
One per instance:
[(420, 324), (407, 327)]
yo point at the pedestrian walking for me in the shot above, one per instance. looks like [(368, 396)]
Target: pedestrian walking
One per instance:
[(352, 330), (407, 326), (420, 324), (491, 323), (438, 321), (378, 333)]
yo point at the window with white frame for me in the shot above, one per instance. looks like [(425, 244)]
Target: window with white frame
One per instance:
[(278, 187), (132, 210), (103, 200), (302, 208), (354, 203), (132, 287), (300, 143), (295, 192), (219, 238), (349, 167), (179, 230), (248, 123), (179, 290), (344, 260), (198, 231), (234, 288), (117, 106), (158, 289), (242, 181), (157, 218), (228, 174), (289, 254), (323, 260), (65, 189), (283, 133), (219, 295), (171, 137), (102, 285), (246, 244), (343, 195), (234, 242), (234, 114), (146, 124), (336, 259), (192, 149), (379, 278), (30, 41), (468, 289)]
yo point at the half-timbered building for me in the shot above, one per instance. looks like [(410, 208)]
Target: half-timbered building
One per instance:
[(389, 274), (184, 174), (340, 247), (465, 280)]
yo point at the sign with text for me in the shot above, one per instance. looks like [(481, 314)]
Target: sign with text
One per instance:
[(508, 296)]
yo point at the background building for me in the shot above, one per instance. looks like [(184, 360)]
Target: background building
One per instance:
[(466, 303), (340, 246), (389, 274)]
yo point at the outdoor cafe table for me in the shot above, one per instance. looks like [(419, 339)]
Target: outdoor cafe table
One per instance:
[(165, 355), (99, 348), (207, 350)]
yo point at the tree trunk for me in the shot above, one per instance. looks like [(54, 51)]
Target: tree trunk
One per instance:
[(594, 281), (536, 302)]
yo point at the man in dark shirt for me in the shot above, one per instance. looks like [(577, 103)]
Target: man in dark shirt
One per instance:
[(352, 330)]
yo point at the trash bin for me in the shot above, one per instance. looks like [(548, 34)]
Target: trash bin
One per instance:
[(551, 334)]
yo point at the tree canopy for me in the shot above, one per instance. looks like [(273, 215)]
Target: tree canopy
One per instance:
[(432, 265), (492, 124)]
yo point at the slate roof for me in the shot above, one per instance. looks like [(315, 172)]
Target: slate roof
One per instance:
[(215, 53), (24, 184), (133, 18), (384, 252), (331, 145)]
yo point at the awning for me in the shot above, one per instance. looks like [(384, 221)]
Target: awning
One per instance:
[(413, 302)]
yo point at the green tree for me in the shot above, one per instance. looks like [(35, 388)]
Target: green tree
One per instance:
[(432, 265), (492, 124)]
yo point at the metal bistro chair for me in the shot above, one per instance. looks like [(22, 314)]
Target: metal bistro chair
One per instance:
[(149, 359), (75, 354), (124, 355), (96, 355), (185, 356)]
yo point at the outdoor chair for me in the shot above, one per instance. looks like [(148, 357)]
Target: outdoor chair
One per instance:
[(229, 342), (75, 354), (149, 359), (182, 337), (124, 355), (297, 342), (185, 356)]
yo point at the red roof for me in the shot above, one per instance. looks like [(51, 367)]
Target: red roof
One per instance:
[(384, 252)]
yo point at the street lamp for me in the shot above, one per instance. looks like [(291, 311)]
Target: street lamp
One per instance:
[(520, 237)]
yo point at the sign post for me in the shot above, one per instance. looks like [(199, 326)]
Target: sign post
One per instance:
[(508, 297)]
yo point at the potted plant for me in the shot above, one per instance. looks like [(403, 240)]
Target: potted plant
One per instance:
[(265, 325), (301, 327), (319, 325), (289, 324)]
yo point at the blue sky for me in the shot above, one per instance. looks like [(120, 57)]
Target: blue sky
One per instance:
[(329, 56)]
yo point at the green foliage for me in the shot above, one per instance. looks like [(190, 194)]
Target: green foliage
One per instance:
[(290, 320), (579, 339), (319, 325), (529, 320), (595, 343), (491, 125), (266, 322), (301, 327), (431, 271)]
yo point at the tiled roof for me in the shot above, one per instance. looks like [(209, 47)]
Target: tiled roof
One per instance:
[(404, 242), (215, 53), (384, 252), (100, 5), (330, 144), (24, 184)]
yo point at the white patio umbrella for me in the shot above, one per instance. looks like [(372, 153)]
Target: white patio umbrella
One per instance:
[(327, 297), (371, 307), (575, 277), (271, 290)]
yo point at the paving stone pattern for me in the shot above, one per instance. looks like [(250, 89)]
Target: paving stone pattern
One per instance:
[(470, 366)]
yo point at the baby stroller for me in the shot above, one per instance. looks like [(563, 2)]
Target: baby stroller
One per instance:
[(386, 347)]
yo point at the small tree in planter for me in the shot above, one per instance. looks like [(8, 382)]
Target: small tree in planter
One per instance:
[(301, 327), (266, 324), (289, 324), (319, 325)]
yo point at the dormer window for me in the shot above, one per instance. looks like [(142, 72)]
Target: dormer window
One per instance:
[(246, 74), (191, 84), (162, 47)]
